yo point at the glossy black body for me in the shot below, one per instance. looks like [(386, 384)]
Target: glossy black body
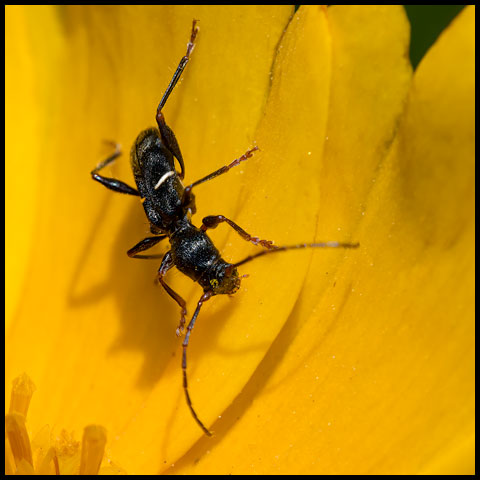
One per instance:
[(195, 255), (169, 205), (150, 161), (169, 208)]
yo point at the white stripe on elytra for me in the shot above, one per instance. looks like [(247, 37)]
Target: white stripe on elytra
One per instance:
[(164, 177)]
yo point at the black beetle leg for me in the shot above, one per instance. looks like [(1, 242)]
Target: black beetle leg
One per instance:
[(170, 141), (112, 183), (203, 298), (166, 132), (167, 264), (145, 244)]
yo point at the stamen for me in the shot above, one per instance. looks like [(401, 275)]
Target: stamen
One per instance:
[(18, 437), (93, 448), (49, 464), (22, 391), (63, 457)]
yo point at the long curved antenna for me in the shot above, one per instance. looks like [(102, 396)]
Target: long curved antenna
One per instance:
[(294, 247), (203, 298)]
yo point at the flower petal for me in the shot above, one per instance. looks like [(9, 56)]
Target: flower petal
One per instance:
[(381, 377), (26, 67), (92, 329), (234, 335)]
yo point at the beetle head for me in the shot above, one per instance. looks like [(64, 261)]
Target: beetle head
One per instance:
[(225, 280)]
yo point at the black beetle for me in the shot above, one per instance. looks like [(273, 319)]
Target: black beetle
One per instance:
[(169, 205)]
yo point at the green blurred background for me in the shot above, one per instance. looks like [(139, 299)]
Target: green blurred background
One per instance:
[(427, 22)]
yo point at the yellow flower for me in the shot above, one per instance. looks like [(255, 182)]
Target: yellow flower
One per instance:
[(325, 361), (47, 454)]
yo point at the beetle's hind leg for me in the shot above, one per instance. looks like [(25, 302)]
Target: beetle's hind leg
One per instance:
[(112, 183), (180, 68)]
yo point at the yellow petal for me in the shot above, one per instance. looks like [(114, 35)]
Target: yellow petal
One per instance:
[(380, 379), (28, 64), (100, 337), (91, 326)]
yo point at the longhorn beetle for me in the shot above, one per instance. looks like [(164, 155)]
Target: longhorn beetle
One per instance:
[(169, 206)]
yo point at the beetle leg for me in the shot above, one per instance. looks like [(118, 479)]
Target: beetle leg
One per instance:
[(170, 141), (112, 183), (181, 66), (216, 173), (145, 244), (203, 298), (167, 264), (166, 132), (212, 221)]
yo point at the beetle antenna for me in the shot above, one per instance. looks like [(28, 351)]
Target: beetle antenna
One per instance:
[(294, 247)]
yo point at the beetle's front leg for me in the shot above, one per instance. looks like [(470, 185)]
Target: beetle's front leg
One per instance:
[(216, 173)]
